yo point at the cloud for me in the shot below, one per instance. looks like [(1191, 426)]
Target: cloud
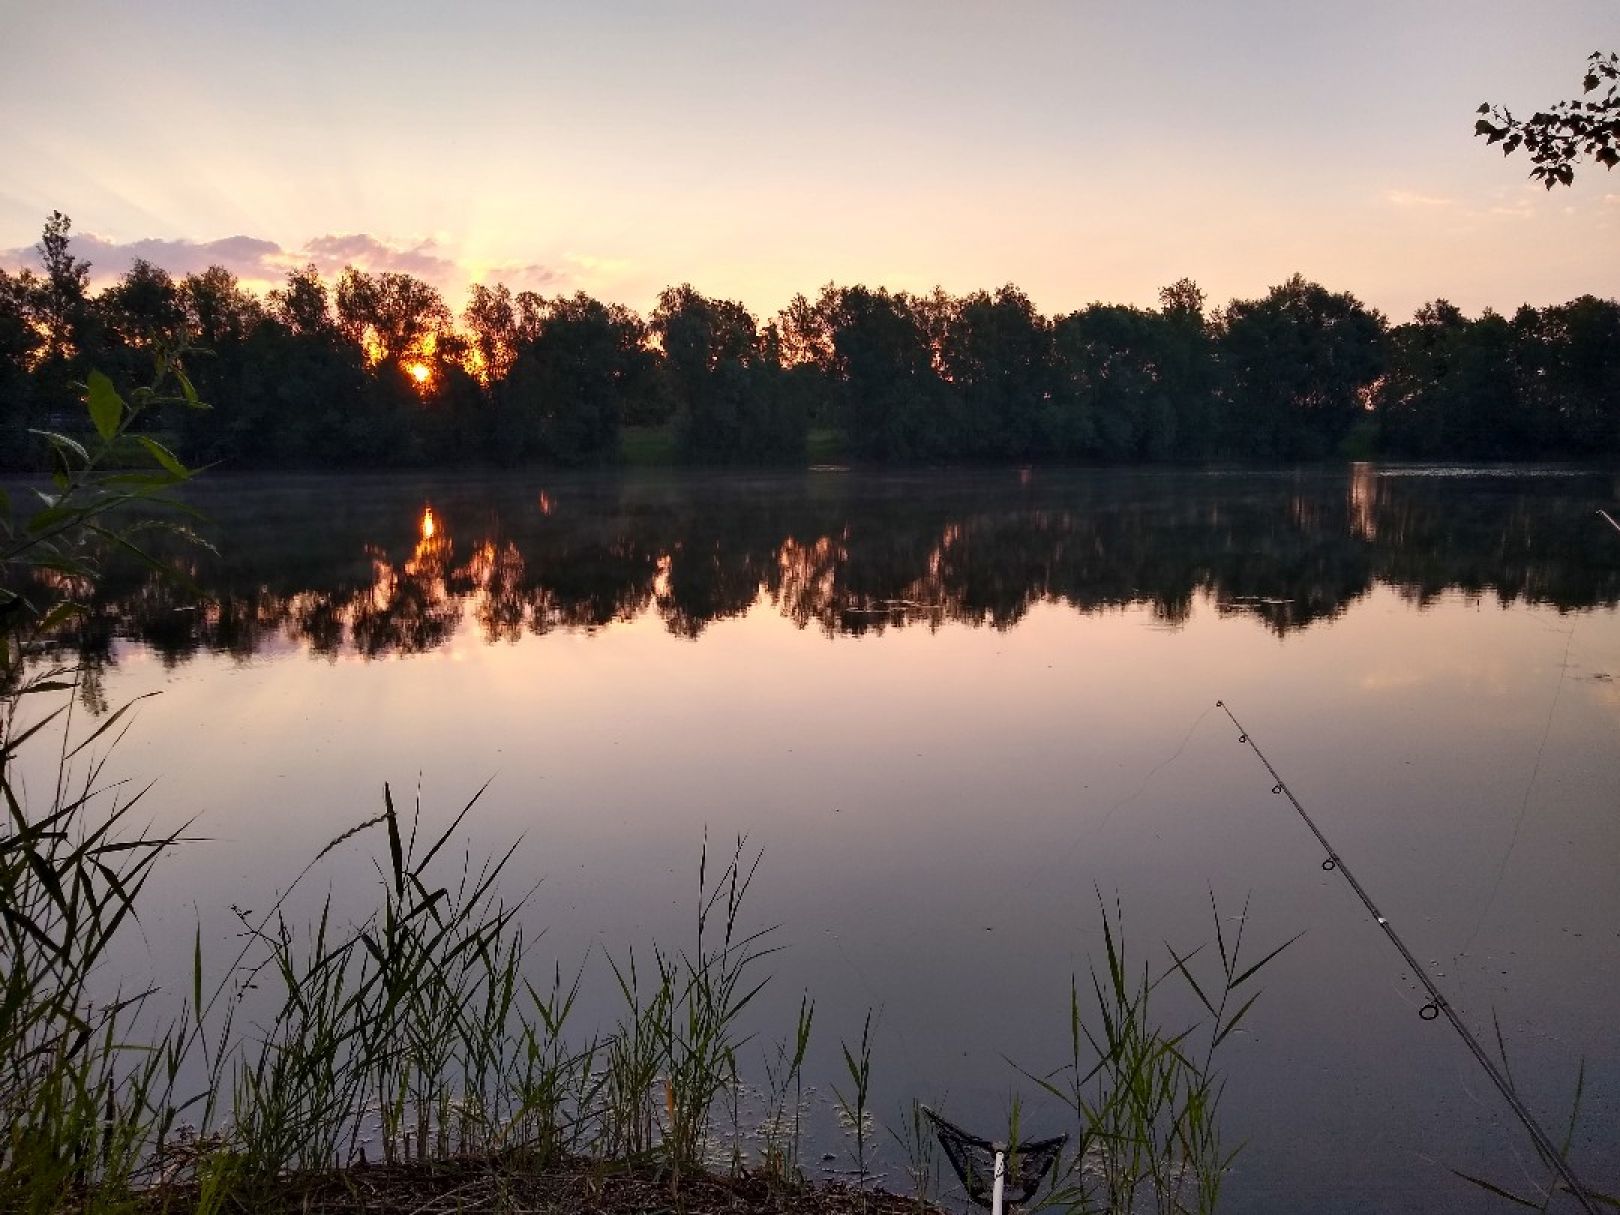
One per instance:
[(611, 266), (520, 276), (330, 254), (259, 262), (1410, 198), (247, 257)]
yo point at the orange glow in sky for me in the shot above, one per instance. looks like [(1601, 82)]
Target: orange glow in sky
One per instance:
[(1084, 152)]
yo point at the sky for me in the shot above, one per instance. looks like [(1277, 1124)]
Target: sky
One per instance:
[(1082, 150)]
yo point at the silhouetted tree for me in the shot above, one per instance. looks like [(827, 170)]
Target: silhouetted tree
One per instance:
[(570, 380), (498, 325), (1187, 368), (139, 311), (1297, 365), (391, 316), (219, 314), (21, 345), (996, 353), (1113, 383), (1568, 371), (1449, 388), (729, 407), (61, 311), (893, 402), (303, 306), (61, 302)]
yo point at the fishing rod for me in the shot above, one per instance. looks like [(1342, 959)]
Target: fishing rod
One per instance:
[(1438, 1005)]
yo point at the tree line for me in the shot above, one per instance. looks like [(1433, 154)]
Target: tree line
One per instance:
[(376, 370)]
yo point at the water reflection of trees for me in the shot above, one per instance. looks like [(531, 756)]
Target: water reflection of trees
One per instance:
[(367, 571)]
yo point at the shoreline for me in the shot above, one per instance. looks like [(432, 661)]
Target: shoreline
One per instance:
[(514, 1184)]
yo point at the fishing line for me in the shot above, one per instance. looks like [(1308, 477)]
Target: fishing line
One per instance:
[(996, 908), (1437, 1005), (992, 913), (1524, 802)]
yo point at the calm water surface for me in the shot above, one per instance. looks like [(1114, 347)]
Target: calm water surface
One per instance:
[(951, 708)]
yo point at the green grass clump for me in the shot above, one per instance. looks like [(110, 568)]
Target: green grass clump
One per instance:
[(824, 445), (648, 446)]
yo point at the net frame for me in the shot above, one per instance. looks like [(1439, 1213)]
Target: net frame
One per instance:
[(973, 1160)]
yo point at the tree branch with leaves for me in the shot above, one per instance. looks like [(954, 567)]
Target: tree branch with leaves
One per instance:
[(1559, 137)]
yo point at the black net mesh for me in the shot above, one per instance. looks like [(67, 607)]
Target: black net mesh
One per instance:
[(974, 1161)]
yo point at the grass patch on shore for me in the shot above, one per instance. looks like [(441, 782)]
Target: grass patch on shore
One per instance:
[(824, 445), (648, 446)]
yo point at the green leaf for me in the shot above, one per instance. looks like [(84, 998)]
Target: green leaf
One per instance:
[(1253, 969), (395, 851), (51, 516), (60, 614), (189, 391), (106, 406), (1497, 1190), (62, 442), (140, 480), (164, 456), (196, 970)]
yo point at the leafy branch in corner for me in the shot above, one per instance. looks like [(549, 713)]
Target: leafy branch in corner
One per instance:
[(1558, 137)]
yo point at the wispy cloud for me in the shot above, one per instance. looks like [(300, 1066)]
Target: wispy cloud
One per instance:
[(1410, 198), (1522, 202), (1522, 209), (260, 262), (606, 266)]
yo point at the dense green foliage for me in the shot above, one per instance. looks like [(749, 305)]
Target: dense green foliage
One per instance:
[(376, 371)]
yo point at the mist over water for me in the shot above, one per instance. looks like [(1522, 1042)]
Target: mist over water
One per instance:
[(951, 708)]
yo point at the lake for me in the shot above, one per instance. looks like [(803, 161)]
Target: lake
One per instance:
[(954, 708)]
